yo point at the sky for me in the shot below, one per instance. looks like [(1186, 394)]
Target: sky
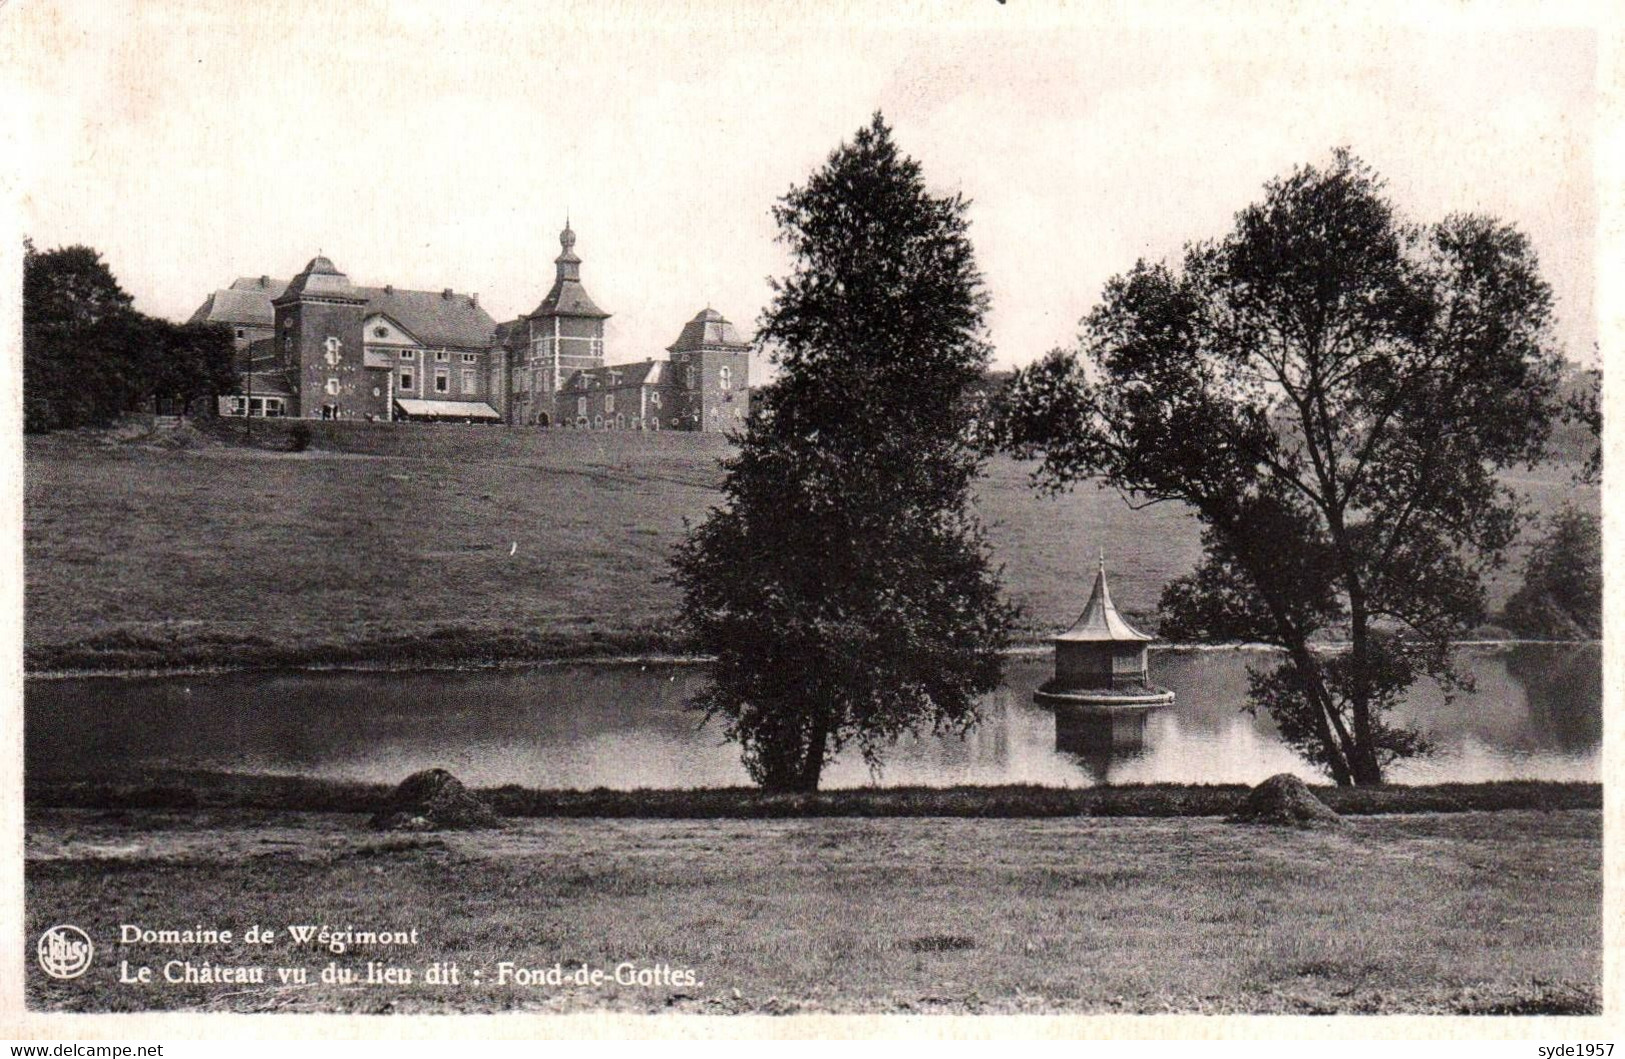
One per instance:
[(442, 145)]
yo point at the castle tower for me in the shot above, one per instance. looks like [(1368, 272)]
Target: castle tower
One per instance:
[(317, 324), (565, 334), (710, 366)]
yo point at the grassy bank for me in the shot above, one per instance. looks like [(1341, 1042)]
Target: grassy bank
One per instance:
[(186, 791), (424, 545), (1467, 913)]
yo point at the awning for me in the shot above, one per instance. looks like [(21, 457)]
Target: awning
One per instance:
[(447, 409)]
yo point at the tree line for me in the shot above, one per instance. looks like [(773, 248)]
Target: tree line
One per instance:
[(90, 357), (1333, 389)]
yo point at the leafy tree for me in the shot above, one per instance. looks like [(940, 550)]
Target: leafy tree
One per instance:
[(78, 340), (193, 361), (88, 356), (1561, 595), (842, 585), (1332, 390)]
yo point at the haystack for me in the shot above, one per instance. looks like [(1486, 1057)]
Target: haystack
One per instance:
[(1286, 801), (434, 800)]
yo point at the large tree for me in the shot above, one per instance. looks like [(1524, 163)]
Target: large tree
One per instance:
[(89, 356), (80, 347), (191, 362), (842, 585), (1332, 390)]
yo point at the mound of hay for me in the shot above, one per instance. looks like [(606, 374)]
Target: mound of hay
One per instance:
[(1285, 800), (434, 800)]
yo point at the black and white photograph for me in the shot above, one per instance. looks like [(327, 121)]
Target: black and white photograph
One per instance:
[(698, 509)]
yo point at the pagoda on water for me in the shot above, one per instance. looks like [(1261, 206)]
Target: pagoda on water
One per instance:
[(1100, 662)]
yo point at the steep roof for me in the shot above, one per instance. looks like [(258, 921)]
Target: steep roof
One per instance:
[(271, 287), (617, 376), (510, 334), (248, 308), (435, 317), (1100, 621), (708, 330), (569, 298)]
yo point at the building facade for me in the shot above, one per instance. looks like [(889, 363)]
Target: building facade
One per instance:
[(710, 366), (564, 335), (320, 347)]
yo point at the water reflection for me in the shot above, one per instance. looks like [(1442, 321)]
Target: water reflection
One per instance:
[(1559, 683), (1536, 713), (1098, 741)]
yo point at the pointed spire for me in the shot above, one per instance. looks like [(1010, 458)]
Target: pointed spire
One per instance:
[(1100, 620), (567, 298)]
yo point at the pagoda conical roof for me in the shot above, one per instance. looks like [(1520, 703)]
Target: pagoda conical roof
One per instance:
[(1100, 622)]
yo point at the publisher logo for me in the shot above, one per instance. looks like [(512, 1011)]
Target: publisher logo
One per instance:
[(65, 951)]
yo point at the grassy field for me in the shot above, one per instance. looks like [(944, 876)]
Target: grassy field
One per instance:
[(447, 543), (1489, 913)]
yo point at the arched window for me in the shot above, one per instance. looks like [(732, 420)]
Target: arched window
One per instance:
[(598, 422), (609, 403), (581, 406), (654, 423), (725, 377), (620, 421), (654, 398)]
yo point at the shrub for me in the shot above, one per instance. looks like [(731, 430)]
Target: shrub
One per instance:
[(1561, 597)]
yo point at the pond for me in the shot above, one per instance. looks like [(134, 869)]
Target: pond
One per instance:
[(1536, 713)]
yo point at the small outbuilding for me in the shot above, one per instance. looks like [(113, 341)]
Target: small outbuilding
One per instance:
[(1100, 662)]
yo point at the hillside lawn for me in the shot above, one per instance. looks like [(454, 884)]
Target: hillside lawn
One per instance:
[(1471, 913), (414, 544)]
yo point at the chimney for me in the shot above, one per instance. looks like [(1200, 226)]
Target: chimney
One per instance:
[(265, 281), (446, 293), (474, 299), (389, 289)]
